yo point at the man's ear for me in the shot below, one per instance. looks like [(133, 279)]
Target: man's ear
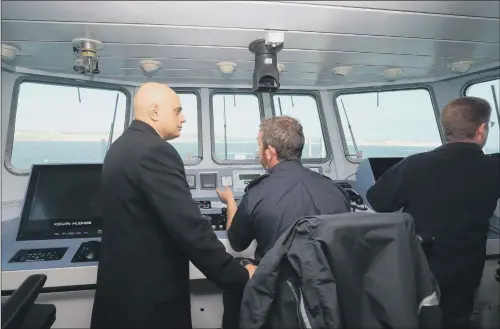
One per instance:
[(272, 151), (482, 129), (154, 112)]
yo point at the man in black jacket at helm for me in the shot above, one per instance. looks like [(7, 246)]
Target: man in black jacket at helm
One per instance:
[(451, 192), (274, 201)]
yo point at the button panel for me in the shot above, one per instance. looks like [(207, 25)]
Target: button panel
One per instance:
[(38, 255)]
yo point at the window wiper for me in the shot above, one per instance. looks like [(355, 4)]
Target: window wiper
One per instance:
[(495, 101), (112, 128), (350, 130), (79, 96), (225, 128), (279, 104)]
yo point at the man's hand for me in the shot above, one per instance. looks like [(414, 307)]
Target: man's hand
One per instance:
[(251, 269), (225, 195)]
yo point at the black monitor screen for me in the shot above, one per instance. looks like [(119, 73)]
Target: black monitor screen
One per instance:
[(62, 201), (381, 165)]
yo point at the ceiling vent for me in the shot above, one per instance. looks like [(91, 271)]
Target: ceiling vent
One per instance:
[(9, 52), (342, 70), (86, 50), (226, 67), (150, 66), (460, 66)]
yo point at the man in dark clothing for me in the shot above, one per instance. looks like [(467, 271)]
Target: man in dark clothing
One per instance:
[(273, 202), (451, 192), (152, 227)]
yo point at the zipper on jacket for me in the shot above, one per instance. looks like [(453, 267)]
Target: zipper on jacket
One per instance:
[(301, 310)]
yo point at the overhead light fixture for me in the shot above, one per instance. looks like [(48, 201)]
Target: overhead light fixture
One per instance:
[(150, 65), (281, 67), (9, 52), (392, 73), (460, 66), (226, 67), (342, 70)]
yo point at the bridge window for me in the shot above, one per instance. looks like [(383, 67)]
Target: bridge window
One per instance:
[(394, 123), (305, 109), (489, 90), (188, 144), (55, 123), (235, 124)]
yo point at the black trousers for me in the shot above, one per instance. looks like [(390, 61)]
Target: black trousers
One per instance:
[(456, 308), (232, 304)]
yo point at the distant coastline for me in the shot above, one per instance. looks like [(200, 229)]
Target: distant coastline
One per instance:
[(39, 136)]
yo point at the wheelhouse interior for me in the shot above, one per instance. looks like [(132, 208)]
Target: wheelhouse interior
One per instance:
[(366, 79)]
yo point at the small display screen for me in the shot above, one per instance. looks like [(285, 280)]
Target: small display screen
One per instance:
[(208, 181), (191, 180), (249, 176), (381, 165)]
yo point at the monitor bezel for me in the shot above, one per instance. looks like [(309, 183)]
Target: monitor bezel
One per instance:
[(27, 229)]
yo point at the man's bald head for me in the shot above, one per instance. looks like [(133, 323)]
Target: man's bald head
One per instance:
[(466, 119), (159, 106)]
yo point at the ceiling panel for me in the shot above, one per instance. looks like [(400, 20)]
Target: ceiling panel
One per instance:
[(285, 81), (130, 68), (260, 15), (167, 35), (138, 74), (56, 50), (190, 37), (476, 8)]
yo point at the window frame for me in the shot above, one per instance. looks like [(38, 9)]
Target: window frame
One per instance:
[(380, 89), (48, 80), (235, 91), (322, 121), (197, 93), (469, 83)]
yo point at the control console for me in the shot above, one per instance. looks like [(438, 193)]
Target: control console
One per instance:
[(88, 252), (38, 255), (356, 201), (60, 224)]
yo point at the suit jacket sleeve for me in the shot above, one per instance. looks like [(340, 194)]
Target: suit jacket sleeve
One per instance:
[(164, 183), (391, 191)]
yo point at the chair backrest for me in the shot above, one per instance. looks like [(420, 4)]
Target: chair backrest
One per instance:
[(16, 308)]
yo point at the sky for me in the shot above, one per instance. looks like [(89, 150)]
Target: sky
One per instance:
[(403, 117)]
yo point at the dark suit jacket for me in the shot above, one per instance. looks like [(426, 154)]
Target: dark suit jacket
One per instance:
[(151, 229), (451, 192)]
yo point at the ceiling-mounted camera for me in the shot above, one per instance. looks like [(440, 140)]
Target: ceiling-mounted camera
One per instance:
[(86, 50), (266, 73)]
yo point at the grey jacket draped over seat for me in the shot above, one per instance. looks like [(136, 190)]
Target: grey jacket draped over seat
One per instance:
[(354, 270)]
